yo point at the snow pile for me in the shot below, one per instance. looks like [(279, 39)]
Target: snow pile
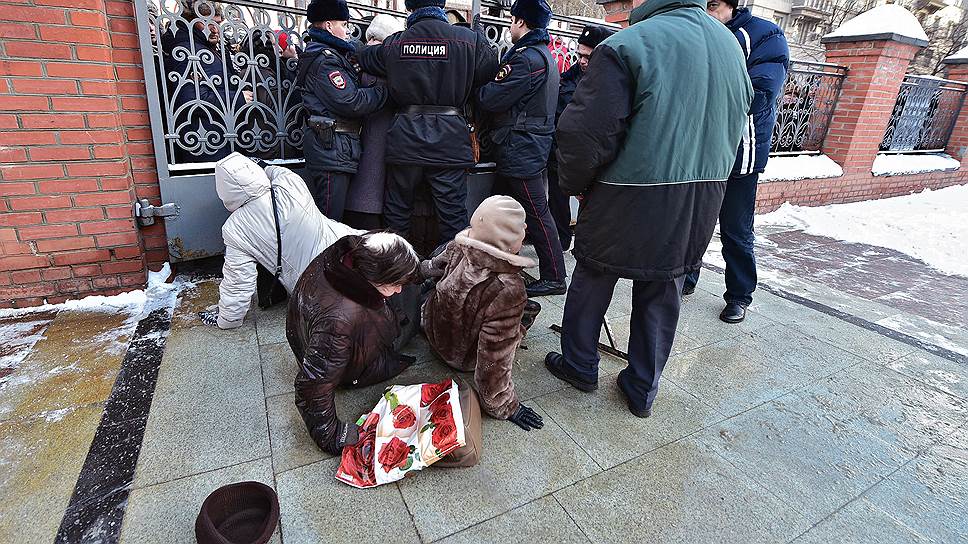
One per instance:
[(931, 226), (960, 55), (896, 165), (801, 167), (884, 19)]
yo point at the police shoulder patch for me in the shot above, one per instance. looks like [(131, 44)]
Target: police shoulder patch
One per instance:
[(503, 72), (336, 78)]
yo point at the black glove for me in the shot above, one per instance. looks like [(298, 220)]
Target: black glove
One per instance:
[(349, 434), (526, 418), (209, 317), (428, 271)]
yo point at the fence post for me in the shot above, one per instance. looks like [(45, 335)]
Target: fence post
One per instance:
[(956, 67), (617, 11), (877, 60)]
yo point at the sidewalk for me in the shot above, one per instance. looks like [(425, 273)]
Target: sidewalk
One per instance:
[(808, 422)]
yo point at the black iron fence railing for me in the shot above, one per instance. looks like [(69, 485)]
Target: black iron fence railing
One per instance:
[(806, 106), (924, 114)]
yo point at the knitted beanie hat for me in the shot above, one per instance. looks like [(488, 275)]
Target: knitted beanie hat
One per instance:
[(242, 513)]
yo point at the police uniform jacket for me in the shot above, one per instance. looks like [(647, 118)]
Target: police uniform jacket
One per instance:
[(330, 87), (524, 95), (566, 90), (432, 69)]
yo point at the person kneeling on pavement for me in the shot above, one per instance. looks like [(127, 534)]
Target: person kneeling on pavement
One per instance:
[(341, 329), (273, 223), (478, 313)]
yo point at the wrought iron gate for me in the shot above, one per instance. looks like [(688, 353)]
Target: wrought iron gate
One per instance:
[(924, 114)]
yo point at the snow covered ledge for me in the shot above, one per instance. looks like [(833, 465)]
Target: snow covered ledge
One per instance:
[(888, 164), (797, 167)]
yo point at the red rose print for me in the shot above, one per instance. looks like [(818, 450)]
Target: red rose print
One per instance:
[(357, 459), (403, 417), (444, 434), (430, 391), (393, 454), (441, 412)]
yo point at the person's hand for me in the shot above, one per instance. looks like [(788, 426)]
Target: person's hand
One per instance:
[(209, 317), (526, 418), (349, 434), (428, 270), (248, 96)]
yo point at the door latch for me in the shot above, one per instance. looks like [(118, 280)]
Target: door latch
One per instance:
[(146, 213)]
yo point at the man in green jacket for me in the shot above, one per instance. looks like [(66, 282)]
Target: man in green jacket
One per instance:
[(647, 142)]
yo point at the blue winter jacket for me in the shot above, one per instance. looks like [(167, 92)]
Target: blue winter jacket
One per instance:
[(767, 61)]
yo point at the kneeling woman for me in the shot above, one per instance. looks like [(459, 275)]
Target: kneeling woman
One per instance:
[(341, 329)]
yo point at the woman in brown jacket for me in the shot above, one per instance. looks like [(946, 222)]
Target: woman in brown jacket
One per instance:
[(341, 329), (473, 318)]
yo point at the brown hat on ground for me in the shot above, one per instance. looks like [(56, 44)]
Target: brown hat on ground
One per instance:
[(498, 228), (242, 513)]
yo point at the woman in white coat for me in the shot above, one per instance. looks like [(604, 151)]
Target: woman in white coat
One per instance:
[(250, 232)]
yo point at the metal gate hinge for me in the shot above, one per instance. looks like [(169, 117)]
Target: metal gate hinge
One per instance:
[(146, 213)]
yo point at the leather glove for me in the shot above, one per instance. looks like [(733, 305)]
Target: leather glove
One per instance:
[(349, 434), (526, 418), (428, 271), (209, 317)]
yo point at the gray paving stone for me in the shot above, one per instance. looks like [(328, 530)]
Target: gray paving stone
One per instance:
[(861, 521), (682, 492), (516, 467), (857, 340), (803, 455), (279, 368), (315, 508), (808, 287), (543, 520), (165, 513), (948, 337), (888, 405), (737, 374), (271, 324), (699, 319), (930, 494), (209, 407), (939, 372), (602, 424), (292, 446), (532, 379)]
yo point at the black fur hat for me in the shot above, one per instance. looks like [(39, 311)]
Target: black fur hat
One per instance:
[(592, 35), (327, 10), (537, 13), (413, 5)]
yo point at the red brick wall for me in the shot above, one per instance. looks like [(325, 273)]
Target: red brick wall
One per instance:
[(75, 150), (958, 143)]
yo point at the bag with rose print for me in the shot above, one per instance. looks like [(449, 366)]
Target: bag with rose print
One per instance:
[(412, 427)]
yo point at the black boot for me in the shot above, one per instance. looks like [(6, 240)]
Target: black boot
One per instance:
[(734, 312), (543, 288), (637, 412), (555, 363), (688, 289)]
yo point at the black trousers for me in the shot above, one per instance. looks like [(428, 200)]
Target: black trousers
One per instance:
[(329, 192), (560, 205), (449, 189), (542, 231), (655, 315)]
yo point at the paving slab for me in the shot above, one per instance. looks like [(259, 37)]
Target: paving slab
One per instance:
[(165, 513), (270, 324), (804, 455), (532, 379), (315, 508), (602, 425), (699, 319), (516, 468), (682, 492), (543, 520), (737, 374), (868, 344), (930, 494), (209, 406), (201, 296), (41, 457), (279, 368), (292, 447), (949, 337), (861, 521), (940, 298), (944, 374)]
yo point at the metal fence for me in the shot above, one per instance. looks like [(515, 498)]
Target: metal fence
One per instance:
[(806, 106), (924, 114)]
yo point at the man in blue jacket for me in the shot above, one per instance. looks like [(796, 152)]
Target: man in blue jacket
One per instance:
[(523, 97), (767, 61)]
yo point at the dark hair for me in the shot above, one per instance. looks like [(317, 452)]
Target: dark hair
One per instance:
[(732, 3), (383, 258)]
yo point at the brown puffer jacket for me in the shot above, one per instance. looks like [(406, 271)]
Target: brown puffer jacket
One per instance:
[(473, 318), (341, 331)]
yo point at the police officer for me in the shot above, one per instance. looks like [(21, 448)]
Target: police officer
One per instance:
[(558, 202), (524, 94), (335, 105), (432, 69)]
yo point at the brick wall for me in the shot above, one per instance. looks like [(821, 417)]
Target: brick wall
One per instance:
[(75, 150)]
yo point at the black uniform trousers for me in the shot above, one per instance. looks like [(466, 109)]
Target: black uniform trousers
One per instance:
[(449, 189), (655, 315), (560, 205), (531, 193), (328, 187)]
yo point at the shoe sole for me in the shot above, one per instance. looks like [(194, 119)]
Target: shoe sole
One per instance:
[(732, 321), (640, 415), (581, 386)]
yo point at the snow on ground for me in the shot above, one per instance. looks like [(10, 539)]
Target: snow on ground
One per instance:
[(17, 338), (788, 168), (893, 165), (884, 19), (931, 225)]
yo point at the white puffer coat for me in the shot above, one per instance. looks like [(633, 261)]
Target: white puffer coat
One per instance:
[(250, 232)]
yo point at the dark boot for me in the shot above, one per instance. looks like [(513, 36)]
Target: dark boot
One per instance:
[(734, 312), (637, 412), (555, 363), (543, 288)]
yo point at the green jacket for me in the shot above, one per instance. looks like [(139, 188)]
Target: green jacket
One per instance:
[(666, 40)]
